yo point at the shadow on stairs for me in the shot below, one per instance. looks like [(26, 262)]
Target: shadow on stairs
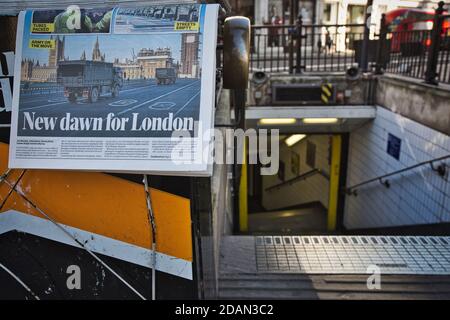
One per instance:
[(240, 279)]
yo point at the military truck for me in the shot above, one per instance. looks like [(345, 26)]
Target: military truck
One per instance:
[(88, 79), (165, 75)]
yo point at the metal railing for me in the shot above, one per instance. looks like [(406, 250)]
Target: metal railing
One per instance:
[(440, 169), (301, 177), (272, 48), (305, 48), (41, 89), (329, 47), (422, 54), (443, 59)]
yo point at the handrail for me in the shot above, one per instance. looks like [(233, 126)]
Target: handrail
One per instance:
[(303, 176), (440, 169)]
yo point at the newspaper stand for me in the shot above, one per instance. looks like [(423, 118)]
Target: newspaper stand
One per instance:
[(97, 235)]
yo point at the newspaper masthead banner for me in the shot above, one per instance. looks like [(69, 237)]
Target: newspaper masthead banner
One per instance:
[(124, 89)]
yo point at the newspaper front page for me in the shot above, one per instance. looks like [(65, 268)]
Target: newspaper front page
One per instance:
[(125, 89)]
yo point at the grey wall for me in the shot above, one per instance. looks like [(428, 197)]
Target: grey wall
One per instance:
[(426, 104), (221, 205), (357, 91)]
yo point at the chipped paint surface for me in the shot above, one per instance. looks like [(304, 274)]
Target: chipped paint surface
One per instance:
[(104, 205), (13, 220)]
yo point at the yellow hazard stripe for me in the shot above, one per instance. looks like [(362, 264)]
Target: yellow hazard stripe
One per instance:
[(243, 205), (336, 145), (324, 98), (326, 91)]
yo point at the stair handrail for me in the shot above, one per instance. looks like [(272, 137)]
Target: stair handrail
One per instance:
[(441, 170), (303, 176)]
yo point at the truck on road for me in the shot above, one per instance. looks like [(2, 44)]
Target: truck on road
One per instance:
[(165, 75), (88, 79)]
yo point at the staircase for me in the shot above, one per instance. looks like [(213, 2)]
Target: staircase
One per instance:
[(241, 278), (296, 286)]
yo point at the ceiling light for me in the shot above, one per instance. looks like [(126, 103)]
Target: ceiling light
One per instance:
[(320, 120), (293, 139), (273, 121)]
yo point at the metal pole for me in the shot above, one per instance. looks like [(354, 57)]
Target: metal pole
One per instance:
[(364, 59), (291, 13), (433, 52), (291, 38), (298, 58), (381, 46)]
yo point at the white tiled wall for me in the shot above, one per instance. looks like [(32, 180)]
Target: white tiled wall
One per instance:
[(314, 188), (418, 196)]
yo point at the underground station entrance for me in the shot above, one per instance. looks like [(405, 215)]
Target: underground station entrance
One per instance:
[(292, 243), (350, 202)]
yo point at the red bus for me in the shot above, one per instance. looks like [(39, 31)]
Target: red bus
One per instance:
[(404, 22)]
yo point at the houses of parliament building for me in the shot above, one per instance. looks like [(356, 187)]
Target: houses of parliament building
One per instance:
[(32, 70), (140, 66)]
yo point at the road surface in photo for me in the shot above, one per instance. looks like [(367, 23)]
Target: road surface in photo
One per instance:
[(144, 97)]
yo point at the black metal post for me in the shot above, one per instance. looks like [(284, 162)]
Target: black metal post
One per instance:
[(364, 60), (345, 138), (291, 12), (291, 51), (291, 38), (433, 51), (298, 47), (381, 61), (295, 9)]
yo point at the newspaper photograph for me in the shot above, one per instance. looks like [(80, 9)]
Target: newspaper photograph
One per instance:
[(158, 18), (115, 89), (72, 20)]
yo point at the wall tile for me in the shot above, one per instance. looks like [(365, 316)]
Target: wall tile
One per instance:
[(415, 197)]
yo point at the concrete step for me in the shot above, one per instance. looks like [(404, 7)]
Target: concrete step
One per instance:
[(361, 278), (240, 277), (322, 284), (248, 294), (282, 286)]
